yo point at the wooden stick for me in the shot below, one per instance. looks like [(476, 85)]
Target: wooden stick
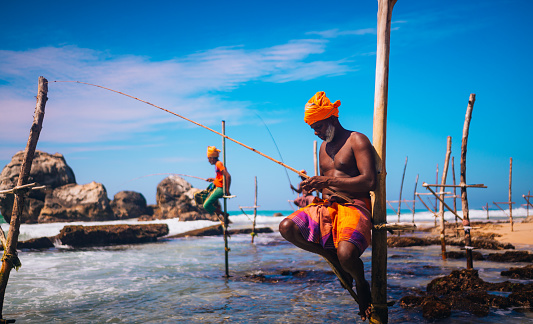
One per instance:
[(379, 197), (401, 189), (510, 195), (445, 204), (429, 209), (255, 209), (14, 225), (461, 185), (441, 205), (226, 221), (414, 198), (464, 196), (455, 198)]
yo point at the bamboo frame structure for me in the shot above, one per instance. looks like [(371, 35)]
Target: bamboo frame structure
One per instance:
[(510, 192), (379, 197), (464, 196), (528, 203), (441, 205), (10, 259), (226, 221)]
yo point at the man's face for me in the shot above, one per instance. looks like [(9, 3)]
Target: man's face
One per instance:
[(212, 160), (324, 129)]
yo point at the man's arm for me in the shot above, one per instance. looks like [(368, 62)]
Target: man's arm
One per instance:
[(228, 180), (364, 182)]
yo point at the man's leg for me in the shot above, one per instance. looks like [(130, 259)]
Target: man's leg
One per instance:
[(209, 203), (350, 261), (291, 232)]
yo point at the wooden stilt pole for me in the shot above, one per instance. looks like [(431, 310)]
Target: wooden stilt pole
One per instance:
[(414, 198), (401, 189), (379, 197), (441, 204), (10, 259), (436, 189), (487, 206), (455, 198), (255, 209), (510, 193), (226, 222), (464, 196)]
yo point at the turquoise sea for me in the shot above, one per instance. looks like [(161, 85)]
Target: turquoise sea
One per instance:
[(183, 280)]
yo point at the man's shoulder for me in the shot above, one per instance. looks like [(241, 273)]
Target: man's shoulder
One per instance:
[(358, 137)]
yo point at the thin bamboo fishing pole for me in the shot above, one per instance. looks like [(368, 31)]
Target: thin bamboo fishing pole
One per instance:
[(212, 130)]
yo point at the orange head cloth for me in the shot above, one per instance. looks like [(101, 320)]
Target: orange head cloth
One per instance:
[(319, 108), (212, 151)]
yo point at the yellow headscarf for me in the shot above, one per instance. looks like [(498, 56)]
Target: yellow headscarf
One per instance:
[(212, 151), (319, 108)]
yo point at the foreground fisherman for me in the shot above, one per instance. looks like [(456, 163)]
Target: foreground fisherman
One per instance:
[(210, 203), (335, 228)]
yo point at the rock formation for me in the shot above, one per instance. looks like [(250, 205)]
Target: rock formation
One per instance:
[(47, 169), (130, 204)]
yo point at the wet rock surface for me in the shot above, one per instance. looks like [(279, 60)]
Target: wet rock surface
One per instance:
[(218, 230), (511, 256), (129, 204), (479, 243), (463, 290), (519, 272), (462, 255), (102, 235)]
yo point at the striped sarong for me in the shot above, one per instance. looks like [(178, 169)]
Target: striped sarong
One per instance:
[(328, 223)]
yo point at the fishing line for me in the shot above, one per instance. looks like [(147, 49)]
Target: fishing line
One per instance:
[(301, 174), (277, 148)]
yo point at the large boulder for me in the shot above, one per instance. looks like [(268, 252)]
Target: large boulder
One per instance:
[(74, 202), (47, 169), (129, 204), (175, 199), (82, 236)]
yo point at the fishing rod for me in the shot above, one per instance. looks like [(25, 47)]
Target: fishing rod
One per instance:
[(301, 174)]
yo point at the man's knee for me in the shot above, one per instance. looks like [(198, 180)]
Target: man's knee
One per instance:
[(287, 229), (347, 252)]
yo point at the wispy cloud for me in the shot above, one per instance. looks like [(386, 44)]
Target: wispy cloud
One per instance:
[(192, 86), (334, 33)]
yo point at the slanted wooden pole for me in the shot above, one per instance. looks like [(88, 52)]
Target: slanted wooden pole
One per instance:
[(487, 207), (10, 253), (401, 189), (464, 196), (226, 222), (379, 197), (510, 193), (255, 209), (414, 198), (455, 198), (441, 204)]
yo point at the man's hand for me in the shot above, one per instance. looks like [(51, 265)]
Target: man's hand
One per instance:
[(210, 179), (314, 183)]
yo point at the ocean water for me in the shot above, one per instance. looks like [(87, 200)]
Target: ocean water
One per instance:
[(183, 280)]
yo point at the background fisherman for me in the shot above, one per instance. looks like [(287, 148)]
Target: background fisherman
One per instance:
[(335, 228), (306, 197), (216, 187)]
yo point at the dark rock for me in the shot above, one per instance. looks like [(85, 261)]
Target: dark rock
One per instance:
[(481, 243), (457, 281), (278, 214), (522, 299), (462, 255), (36, 243), (74, 202), (403, 241), (411, 301), (218, 230), (129, 204), (175, 199), (511, 256), (519, 273), (47, 169), (101, 235), (434, 308)]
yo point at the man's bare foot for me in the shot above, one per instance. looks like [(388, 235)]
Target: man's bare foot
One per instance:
[(365, 300)]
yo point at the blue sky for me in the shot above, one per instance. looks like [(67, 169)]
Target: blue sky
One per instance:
[(249, 62)]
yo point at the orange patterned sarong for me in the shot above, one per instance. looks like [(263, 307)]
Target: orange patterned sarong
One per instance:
[(328, 223)]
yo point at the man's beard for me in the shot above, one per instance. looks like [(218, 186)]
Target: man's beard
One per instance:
[(330, 133)]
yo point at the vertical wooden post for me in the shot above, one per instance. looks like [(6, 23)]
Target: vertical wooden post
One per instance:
[(455, 198), (527, 205), (436, 189), (510, 195), (14, 225), (379, 197), (414, 198), (441, 202), (464, 196), (226, 249), (487, 206), (255, 209), (401, 189)]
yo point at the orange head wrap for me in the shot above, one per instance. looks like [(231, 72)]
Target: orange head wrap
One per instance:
[(319, 108), (212, 151)]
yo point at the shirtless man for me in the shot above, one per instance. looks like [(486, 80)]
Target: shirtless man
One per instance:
[(337, 228)]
